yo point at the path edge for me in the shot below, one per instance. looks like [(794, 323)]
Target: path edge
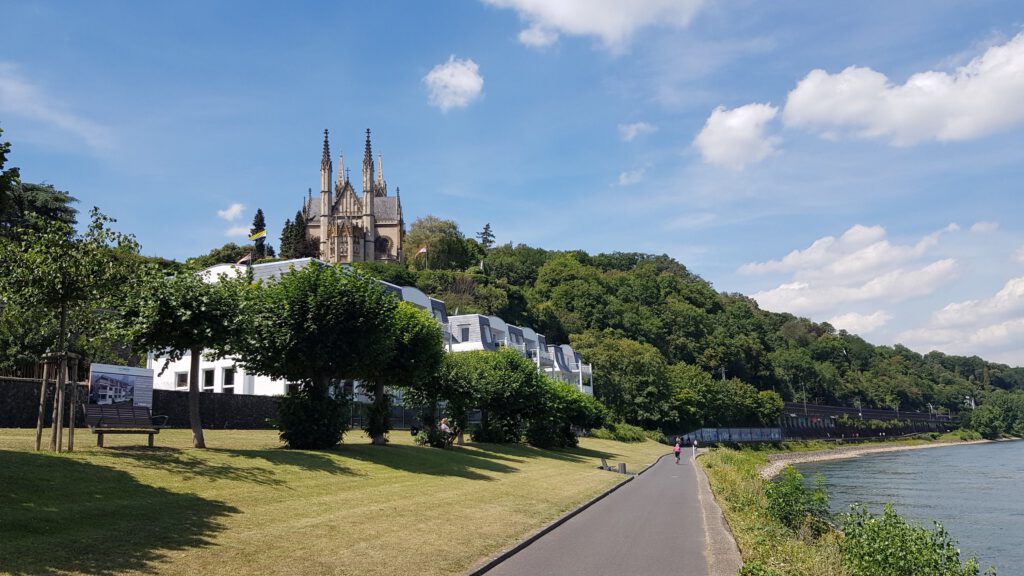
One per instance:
[(481, 569), (721, 553)]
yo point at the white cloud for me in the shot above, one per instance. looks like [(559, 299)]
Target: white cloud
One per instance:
[(1005, 303), (984, 227), (735, 138), (859, 266), (997, 340), (980, 98), (893, 286), (20, 97), (630, 131), (631, 177), (237, 231), (537, 36), (614, 22), (855, 323), (231, 212), (454, 84)]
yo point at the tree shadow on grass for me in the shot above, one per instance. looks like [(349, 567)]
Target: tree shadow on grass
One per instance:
[(523, 451), (61, 514), (308, 460), (189, 464), (471, 464)]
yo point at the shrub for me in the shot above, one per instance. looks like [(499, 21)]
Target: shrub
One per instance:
[(886, 544), (308, 422), (621, 432), (432, 437), (494, 433), (563, 410), (657, 436), (968, 435), (796, 506)]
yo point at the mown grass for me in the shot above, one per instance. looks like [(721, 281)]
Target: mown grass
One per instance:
[(739, 490), (245, 505)]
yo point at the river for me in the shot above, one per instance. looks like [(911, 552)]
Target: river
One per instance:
[(976, 492)]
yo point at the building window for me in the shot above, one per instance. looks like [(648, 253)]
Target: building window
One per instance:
[(463, 333), (228, 385), (181, 380), (208, 380)]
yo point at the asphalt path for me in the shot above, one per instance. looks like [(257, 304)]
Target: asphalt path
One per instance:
[(652, 525)]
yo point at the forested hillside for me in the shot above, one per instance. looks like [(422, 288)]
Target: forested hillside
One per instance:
[(667, 347)]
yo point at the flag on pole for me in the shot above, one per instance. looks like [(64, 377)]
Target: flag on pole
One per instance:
[(246, 258), (258, 235), (421, 251)]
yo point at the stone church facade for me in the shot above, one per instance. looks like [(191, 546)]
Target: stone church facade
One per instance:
[(352, 228)]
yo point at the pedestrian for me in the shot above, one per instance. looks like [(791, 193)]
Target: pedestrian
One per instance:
[(677, 449), (694, 448)]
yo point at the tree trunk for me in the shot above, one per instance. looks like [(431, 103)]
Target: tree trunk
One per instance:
[(62, 383), (73, 373), (42, 403), (193, 400), (380, 413)]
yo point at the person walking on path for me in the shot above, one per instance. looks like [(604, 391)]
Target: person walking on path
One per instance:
[(677, 449)]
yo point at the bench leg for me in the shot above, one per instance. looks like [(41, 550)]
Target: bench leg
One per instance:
[(99, 439), (150, 440)]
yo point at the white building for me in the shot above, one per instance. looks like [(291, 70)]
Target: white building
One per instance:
[(462, 333)]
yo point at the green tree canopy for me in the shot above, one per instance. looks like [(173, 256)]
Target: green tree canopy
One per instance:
[(446, 247)]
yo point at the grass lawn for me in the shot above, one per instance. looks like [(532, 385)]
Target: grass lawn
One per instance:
[(247, 506)]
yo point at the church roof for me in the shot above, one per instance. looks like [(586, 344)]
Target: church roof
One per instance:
[(385, 208)]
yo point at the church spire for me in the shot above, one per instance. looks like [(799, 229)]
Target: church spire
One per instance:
[(325, 162), (342, 177), (368, 166), (380, 169)]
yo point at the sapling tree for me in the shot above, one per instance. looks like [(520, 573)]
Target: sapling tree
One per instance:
[(64, 283)]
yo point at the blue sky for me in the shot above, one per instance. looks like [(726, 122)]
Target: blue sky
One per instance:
[(859, 163)]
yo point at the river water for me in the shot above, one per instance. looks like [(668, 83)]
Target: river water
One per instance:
[(976, 492)]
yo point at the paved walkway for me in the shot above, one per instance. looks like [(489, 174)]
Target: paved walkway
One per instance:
[(652, 525)]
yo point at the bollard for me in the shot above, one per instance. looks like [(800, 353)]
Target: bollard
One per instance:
[(622, 467)]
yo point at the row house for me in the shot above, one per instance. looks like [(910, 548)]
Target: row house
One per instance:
[(462, 333)]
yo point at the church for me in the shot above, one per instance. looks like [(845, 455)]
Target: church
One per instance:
[(350, 228)]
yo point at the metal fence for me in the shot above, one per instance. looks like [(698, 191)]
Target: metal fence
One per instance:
[(717, 435)]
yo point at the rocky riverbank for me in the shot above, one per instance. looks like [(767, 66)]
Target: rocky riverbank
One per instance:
[(776, 462)]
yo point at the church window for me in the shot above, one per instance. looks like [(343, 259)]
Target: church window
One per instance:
[(383, 247)]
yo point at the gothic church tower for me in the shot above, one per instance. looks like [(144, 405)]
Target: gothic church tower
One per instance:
[(352, 228)]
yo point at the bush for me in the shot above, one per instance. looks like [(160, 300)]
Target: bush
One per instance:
[(621, 432), (657, 436), (494, 433), (563, 410), (432, 437), (311, 421), (794, 505), (887, 544), (968, 435)]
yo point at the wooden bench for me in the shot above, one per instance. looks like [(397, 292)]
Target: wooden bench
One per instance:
[(121, 419)]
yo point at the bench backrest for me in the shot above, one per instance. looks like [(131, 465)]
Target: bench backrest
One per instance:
[(117, 416)]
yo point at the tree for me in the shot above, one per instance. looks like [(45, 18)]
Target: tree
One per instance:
[(10, 179), (629, 378), (486, 237), (259, 224), (509, 391), (445, 245), (316, 327), (414, 359), (452, 384), (28, 204), (288, 248), (183, 315), (226, 254), (62, 282), (294, 240)]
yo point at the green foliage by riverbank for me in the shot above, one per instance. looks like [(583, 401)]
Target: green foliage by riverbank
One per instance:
[(780, 526)]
